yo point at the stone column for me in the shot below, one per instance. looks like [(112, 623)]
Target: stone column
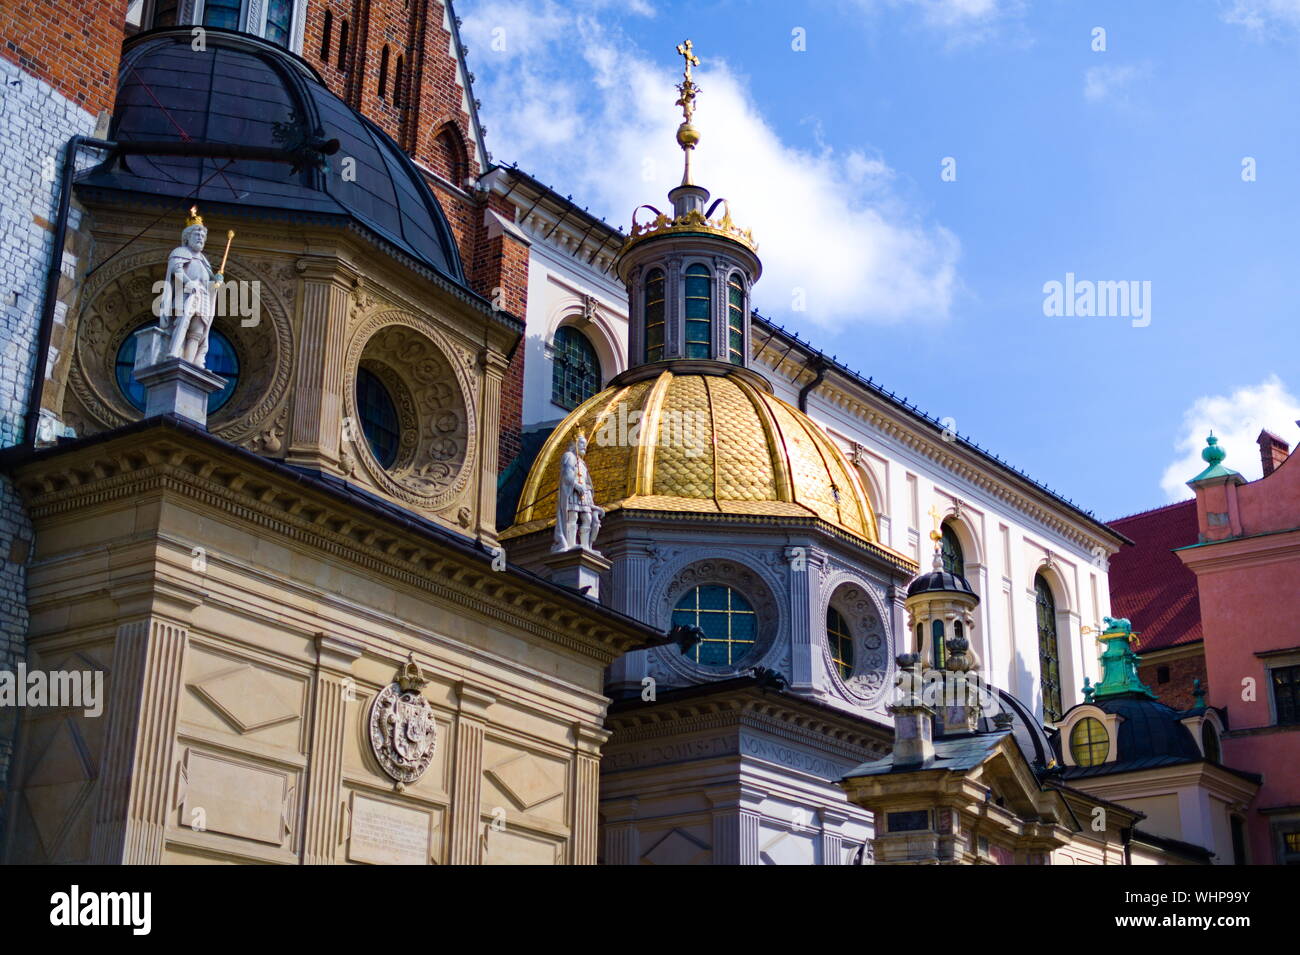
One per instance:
[(586, 792), (316, 422), (136, 767), (493, 365), (465, 829), (736, 824), (334, 689)]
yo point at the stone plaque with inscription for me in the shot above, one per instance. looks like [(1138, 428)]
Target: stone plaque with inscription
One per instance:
[(384, 834)]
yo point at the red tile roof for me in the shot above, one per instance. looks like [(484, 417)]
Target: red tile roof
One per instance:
[(1149, 584)]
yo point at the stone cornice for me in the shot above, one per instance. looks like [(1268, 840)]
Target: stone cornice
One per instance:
[(165, 456), (780, 714)]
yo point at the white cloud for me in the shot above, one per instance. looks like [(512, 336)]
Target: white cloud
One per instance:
[(1110, 82), (1236, 420), (1264, 16), (582, 108)]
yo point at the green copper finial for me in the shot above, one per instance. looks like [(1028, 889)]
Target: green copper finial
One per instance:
[(1198, 691), (1213, 456), (1088, 690), (1119, 664), (1212, 453)]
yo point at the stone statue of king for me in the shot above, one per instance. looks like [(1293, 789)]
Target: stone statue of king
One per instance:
[(188, 302), (577, 516)]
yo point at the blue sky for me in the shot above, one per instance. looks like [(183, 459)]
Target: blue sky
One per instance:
[(1117, 165)]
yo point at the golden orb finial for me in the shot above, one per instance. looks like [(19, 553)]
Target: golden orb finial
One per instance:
[(687, 135)]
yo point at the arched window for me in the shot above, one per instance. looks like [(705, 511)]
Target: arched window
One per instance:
[(920, 637), (938, 652), (736, 320), (383, 72), (729, 623), (699, 303), (1210, 742), (654, 315), (397, 83), (325, 37), (343, 46), (575, 373), (1049, 651), (378, 413), (1089, 742), (840, 641), (954, 562), (221, 360)]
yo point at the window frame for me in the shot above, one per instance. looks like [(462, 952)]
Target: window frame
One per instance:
[(296, 29), (1294, 693), (656, 276), (751, 645), (558, 361), (1053, 700), (1091, 743), (697, 272), (838, 640)]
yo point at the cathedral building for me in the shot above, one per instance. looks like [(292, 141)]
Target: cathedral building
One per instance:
[(407, 512)]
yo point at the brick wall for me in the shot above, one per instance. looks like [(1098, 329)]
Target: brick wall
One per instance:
[(73, 46), (1176, 691)]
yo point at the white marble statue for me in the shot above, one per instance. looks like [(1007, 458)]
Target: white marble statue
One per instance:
[(188, 302), (577, 516)]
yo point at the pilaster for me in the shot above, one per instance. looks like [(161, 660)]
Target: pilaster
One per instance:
[(318, 412), (135, 771), (333, 690), (493, 365), (465, 847), (586, 792), (736, 820)]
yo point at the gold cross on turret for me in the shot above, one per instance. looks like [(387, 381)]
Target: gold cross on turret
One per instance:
[(934, 512), (684, 50)]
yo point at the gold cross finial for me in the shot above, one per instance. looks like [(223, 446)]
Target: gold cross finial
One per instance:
[(684, 51), (934, 512)]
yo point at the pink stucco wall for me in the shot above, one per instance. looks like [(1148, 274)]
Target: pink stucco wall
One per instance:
[(1248, 576)]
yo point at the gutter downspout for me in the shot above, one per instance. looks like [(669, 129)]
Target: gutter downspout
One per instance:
[(45, 329), (819, 366)]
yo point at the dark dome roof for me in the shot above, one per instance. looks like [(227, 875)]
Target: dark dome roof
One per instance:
[(1035, 743), (249, 92), (940, 581), (1150, 734)]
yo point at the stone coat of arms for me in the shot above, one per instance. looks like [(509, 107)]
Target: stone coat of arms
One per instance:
[(403, 733)]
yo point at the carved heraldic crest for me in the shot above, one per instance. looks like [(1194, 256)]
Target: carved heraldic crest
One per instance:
[(403, 733)]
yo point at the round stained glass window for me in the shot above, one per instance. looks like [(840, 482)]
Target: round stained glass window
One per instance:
[(1089, 742), (729, 623), (379, 421), (221, 360)]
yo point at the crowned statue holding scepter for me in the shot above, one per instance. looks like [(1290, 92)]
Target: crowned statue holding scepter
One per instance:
[(188, 302)]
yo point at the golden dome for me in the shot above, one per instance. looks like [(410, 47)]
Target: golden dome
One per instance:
[(725, 446)]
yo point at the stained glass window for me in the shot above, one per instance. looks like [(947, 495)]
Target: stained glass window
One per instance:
[(736, 320), (654, 315), (938, 652), (699, 301), (221, 13), (954, 562), (221, 360), (840, 641), (1089, 742), (729, 623), (279, 21), (379, 421), (1049, 651), (575, 373)]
